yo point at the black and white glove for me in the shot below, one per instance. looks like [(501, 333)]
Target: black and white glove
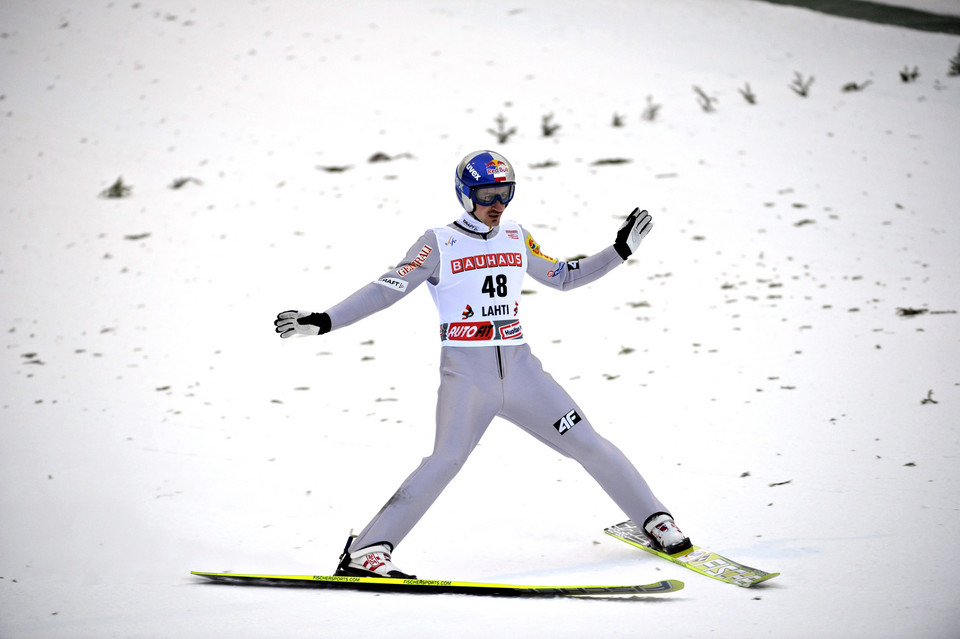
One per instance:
[(632, 232), (290, 323)]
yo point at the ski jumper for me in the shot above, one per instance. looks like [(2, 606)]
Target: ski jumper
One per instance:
[(487, 370)]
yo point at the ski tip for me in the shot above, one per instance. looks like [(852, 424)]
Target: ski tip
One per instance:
[(766, 577)]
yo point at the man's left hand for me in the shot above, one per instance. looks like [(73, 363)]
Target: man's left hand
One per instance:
[(632, 232)]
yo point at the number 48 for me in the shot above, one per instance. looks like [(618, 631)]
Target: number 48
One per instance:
[(500, 290)]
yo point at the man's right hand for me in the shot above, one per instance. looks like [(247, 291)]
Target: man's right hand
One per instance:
[(290, 323)]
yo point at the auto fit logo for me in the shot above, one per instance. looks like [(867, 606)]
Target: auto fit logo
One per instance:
[(498, 170)]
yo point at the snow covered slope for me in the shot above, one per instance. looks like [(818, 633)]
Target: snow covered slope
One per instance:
[(781, 360)]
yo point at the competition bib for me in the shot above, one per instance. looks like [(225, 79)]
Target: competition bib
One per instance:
[(478, 293)]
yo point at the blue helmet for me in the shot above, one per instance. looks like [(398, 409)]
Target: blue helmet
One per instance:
[(483, 169)]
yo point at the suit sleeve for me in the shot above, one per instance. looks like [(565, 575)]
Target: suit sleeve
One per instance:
[(419, 265), (568, 275)]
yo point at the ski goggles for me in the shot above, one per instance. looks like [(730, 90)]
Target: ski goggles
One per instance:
[(488, 194)]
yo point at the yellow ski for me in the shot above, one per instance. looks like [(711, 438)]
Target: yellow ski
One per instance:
[(427, 586), (696, 559)]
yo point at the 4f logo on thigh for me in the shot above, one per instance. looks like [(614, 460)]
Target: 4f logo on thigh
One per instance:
[(567, 422)]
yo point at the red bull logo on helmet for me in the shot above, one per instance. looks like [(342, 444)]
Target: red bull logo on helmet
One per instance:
[(498, 170)]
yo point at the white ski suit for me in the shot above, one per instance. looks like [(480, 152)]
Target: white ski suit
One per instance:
[(486, 368)]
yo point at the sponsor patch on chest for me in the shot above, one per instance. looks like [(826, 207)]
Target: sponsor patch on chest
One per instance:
[(486, 260)]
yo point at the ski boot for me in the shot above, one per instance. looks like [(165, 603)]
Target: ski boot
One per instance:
[(372, 561), (662, 530)]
